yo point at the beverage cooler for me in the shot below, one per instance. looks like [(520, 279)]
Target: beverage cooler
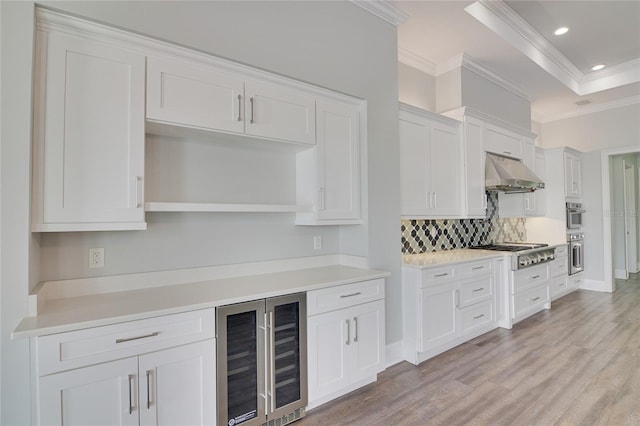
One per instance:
[(262, 361)]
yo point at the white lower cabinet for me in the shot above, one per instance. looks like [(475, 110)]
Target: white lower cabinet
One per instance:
[(156, 384), (446, 306), (346, 345), (529, 291)]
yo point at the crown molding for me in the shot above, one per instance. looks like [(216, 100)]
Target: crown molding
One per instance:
[(501, 19), (464, 60), (585, 110), (383, 10), (416, 61)]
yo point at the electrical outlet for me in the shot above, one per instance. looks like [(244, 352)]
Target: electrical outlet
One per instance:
[(317, 242), (96, 258)]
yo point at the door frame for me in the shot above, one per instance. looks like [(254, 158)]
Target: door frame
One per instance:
[(609, 280), (630, 238)]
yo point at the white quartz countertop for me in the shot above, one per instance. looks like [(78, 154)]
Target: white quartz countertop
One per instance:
[(445, 257), (74, 313)]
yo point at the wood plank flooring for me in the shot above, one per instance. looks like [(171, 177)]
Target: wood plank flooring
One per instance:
[(577, 364)]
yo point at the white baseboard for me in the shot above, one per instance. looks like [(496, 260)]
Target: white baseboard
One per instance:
[(394, 353), (621, 274), (595, 285)]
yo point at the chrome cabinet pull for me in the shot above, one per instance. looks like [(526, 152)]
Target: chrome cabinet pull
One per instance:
[(535, 277), (435, 199), (477, 289), (348, 342), (272, 367), (239, 107), (441, 275), (138, 191), (355, 327), (131, 376), (128, 339), (251, 102), (506, 152), (148, 389), (537, 298), (478, 317), (477, 267), (344, 296)]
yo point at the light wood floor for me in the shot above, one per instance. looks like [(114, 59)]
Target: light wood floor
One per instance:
[(577, 364)]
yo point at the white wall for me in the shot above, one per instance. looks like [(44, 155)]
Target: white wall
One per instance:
[(416, 87), (331, 44), (16, 50), (593, 133)]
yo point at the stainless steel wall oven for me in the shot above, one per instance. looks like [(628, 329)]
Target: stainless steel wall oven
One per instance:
[(576, 252), (262, 361), (574, 215)]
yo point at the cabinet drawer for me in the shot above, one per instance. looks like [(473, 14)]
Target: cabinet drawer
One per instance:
[(476, 316), (436, 276), (558, 267), (558, 286), (531, 298), (338, 297), (574, 281), (474, 268), (529, 277), (475, 289), (63, 351)]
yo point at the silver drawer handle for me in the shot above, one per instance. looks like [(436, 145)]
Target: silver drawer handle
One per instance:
[(128, 339), (537, 298), (131, 377), (441, 275), (478, 317), (535, 277), (478, 267), (350, 295), (478, 289)]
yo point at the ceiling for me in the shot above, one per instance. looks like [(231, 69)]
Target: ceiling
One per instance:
[(515, 40)]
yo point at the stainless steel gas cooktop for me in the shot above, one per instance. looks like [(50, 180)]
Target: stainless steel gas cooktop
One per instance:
[(525, 254), (509, 246)]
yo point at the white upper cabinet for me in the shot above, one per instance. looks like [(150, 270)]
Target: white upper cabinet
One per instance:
[(476, 198), (88, 135), (535, 202), (277, 112), (191, 94), (329, 174), (502, 141), (430, 165), (572, 175)]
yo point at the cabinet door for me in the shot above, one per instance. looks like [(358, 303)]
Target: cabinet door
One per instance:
[(445, 169), (104, 394), (329, 352), (439, 316), (338, 160), (572, 176), (529, 159), (368, 335), (415, 193), (192, 95), (177, 386), (93, 155), (502, 141), (475, 159), (277, 112)]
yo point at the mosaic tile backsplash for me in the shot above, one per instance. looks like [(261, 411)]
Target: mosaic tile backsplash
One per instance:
[(423, 235)]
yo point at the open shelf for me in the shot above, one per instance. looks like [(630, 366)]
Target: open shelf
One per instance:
[(224, 207)]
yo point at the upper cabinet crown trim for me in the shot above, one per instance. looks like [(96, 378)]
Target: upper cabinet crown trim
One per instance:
[(428, 114), (50, 20), (467, 111)]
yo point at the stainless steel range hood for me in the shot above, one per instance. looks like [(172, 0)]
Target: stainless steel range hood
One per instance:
[(509, 175)]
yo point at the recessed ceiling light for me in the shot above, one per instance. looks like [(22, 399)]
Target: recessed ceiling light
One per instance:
[(597, 67), (561, 30)]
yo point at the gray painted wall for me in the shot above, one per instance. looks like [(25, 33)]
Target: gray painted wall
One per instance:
[(416, 87), (331, 44), (593, 133)]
